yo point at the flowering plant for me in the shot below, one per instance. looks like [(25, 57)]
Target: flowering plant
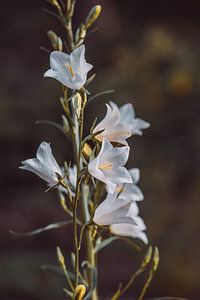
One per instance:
[(99, 194)]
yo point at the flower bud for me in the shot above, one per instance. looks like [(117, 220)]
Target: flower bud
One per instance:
[(87, 151), (156, 259), (55, 40), (77, 104), (55, 3), (61, 259), (93, 15), (80, 34), (80, 292)]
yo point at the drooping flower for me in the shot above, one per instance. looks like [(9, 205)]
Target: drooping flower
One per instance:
[(44, 165), (128, 118), (112, 128), (115, 210), (69, 69), (131, 191), (131, 230), (108, 166)]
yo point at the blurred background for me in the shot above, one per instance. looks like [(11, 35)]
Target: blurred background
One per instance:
[(148, 51)]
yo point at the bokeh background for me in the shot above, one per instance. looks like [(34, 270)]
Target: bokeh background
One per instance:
[(148, 51)]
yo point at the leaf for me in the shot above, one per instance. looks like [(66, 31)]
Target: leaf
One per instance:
[(117, 293), (48, 122), (40, 230), (100, 94), (105, 243), (90, 80)]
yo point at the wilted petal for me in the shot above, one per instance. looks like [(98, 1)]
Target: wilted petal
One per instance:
[(44, 165)]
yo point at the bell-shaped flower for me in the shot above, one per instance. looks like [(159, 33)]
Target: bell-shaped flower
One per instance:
[(69, 69), (131, 191), (108, 166), (131, 230), (44, 165), (112, 128), (115, 210), (128, 118)]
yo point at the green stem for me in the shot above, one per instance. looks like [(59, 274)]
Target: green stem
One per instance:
[(79, 163), (89, 246)]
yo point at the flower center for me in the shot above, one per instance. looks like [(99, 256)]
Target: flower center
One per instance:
[(70, 69), (107, 166)]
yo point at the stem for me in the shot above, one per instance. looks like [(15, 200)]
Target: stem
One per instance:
[(89, 247), (79, 163)]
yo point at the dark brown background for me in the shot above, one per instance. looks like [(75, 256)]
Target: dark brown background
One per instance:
[(148, 51)]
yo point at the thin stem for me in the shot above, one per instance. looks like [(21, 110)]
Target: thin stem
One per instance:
[(78, 162), (89, 246)]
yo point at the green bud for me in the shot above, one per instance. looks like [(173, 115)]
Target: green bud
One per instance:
[(93, 15)]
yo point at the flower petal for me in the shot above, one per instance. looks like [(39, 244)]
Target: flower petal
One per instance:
[(129, 230)]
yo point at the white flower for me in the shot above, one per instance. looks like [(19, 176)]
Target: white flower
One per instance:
[(131, 191), (115, 210), (113, 129), (108, 166), (44, 165), (130, 230), (128, 118), (71, 70)]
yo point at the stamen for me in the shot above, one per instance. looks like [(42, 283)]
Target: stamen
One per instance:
[(71, 71), (107, 166), (119, 189)]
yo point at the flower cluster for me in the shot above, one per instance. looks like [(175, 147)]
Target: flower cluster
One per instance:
[(119, 210), (98, 193)]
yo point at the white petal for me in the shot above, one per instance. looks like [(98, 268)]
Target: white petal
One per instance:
[(108, 165), (111, 118), (129, 230), (135, 175), (73, 175), (114, 130), (112, 211), (44, 165), (118, 156), (127, 113), (118, 175), (58, 61), (77, 58), (71, 70), (132, 192), (138, 125)]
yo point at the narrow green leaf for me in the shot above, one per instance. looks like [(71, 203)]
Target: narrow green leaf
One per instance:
[(105, 243), (40, 230), (48, 122), (100, 94), (117, 293)]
